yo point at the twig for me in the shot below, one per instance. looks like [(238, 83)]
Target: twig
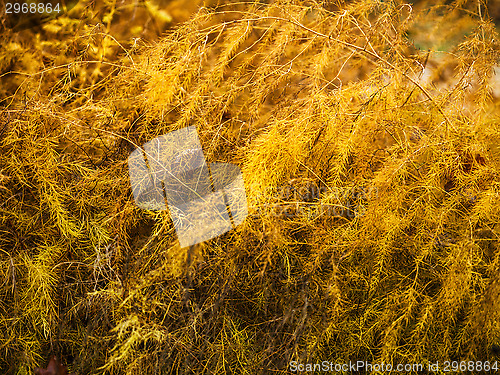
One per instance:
[(358, 50)]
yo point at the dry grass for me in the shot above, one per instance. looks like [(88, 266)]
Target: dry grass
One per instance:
[(370, 165)]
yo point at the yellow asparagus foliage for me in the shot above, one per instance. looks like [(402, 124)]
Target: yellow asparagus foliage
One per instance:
[(368, 135)]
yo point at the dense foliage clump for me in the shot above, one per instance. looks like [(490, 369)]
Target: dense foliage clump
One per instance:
[(368, 134)]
